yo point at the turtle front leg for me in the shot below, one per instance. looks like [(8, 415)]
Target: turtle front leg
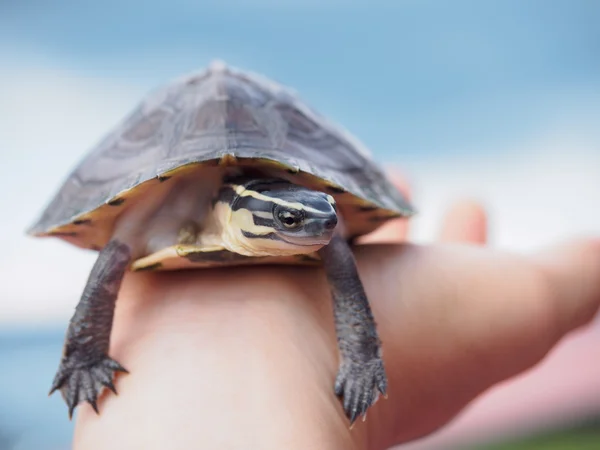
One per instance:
[(85, 367), (361, 376)]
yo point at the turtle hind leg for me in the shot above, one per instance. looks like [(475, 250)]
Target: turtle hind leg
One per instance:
[(85, 368), (361, 376)]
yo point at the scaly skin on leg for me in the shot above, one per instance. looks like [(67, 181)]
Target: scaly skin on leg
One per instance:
[(85, 367), (361, 375)]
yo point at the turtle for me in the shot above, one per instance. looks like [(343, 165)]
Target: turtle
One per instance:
[(218, 168)]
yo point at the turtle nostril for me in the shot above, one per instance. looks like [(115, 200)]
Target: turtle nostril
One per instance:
[(331, 223)]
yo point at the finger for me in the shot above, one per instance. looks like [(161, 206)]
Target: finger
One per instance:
[(394, 230), (573, 273), (476, 316), (466, 221)]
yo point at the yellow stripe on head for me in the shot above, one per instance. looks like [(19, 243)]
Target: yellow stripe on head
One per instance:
[(276, 217)]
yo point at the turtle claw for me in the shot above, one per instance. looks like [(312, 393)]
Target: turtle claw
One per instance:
[(83, 381), (360, 385)]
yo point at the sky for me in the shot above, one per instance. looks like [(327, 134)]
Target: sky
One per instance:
[(497, 101)]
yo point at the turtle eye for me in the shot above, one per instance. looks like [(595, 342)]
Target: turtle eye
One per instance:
[(289, 218)]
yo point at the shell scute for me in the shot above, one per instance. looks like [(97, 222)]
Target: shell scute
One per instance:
[(221, 116)]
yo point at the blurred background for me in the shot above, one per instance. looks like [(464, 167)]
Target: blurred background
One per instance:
[(497, 101)]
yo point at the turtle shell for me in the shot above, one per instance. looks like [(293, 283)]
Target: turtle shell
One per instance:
[(219, 117)]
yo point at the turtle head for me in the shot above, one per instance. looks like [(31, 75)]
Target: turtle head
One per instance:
[(275, 218)]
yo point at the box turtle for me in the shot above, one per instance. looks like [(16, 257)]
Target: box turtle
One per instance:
[(222, 168)]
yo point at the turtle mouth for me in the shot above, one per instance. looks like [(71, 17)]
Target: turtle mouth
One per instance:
[(307, 241), (316, 231)]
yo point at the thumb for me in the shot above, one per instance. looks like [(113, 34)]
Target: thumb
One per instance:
[(573, 274)]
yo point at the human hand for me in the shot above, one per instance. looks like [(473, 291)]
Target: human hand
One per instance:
[(246, 358)]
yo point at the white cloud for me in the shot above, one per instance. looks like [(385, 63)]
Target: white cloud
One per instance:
[(545, 190), (49, 119)]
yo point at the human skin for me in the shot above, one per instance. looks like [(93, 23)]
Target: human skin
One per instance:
[(246, 358)]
